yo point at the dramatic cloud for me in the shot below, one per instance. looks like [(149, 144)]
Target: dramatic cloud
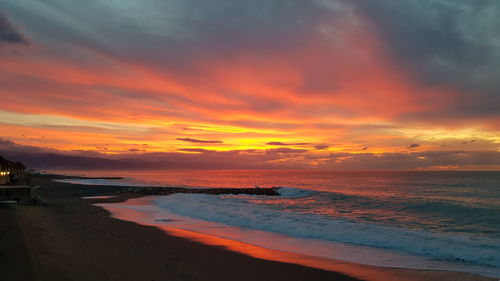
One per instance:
[(443, 42), (235, 78), (9, 33), (198, 141)]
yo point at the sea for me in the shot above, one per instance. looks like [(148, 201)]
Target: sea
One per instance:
[(447, 220)]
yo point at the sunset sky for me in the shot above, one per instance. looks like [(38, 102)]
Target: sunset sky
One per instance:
[(286, 84)]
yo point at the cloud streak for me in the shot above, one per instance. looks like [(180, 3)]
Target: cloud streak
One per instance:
[(198, 141), (321, 147)]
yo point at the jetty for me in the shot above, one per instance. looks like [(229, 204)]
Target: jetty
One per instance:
[(270, 191)]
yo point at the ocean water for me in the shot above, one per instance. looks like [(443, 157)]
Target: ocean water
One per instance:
[(452, 218)]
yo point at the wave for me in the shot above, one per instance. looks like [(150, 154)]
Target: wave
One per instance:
[(292, 192), (408, 211), (241, 211), (440, 214)]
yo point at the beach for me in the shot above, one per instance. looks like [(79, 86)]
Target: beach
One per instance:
[(68, 238)]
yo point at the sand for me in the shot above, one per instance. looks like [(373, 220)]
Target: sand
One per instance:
[(70, 239)]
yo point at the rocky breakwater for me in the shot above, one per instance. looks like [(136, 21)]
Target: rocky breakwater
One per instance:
[(272, 191)]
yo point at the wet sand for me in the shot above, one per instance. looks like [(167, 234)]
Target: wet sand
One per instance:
[(70, 239)]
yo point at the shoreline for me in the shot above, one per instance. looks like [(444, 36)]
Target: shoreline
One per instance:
[(74, 240), (365, 271)]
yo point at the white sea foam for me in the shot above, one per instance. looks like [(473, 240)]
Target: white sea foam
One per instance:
[(239, 211), (292, 192), (144, 212)]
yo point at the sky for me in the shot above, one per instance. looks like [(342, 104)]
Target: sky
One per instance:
[(323, 84)]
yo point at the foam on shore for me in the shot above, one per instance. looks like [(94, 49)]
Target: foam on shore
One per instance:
[(202, 214)]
